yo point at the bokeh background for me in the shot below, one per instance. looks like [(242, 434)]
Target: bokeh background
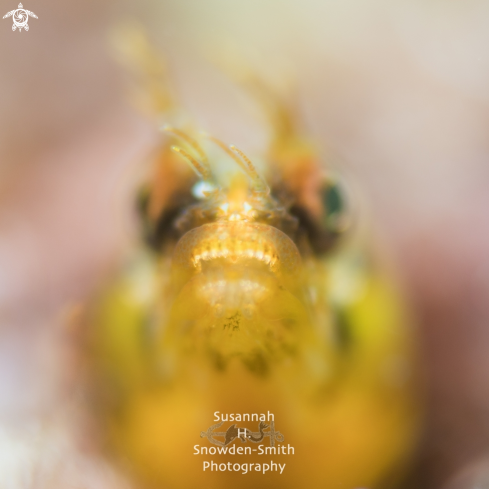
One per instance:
[(398, 91)]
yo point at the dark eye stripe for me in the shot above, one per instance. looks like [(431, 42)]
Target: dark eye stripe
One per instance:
[(156, 233)]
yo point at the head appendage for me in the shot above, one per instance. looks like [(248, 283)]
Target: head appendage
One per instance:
[(281, 112), (135, 52), (259, 184), (201, 170), (190, 141), (227, 150)]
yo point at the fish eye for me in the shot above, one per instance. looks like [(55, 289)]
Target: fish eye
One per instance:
[(325, 217), (334, 204)]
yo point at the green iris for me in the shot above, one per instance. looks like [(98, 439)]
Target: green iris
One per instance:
[(334, 205)]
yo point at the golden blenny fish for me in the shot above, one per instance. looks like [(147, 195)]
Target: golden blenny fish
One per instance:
[(253, 314)]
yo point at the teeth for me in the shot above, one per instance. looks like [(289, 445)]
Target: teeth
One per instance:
[(236, 241)]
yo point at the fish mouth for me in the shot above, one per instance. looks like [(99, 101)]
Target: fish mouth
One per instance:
[(234, 289), (238, 294), (235, 266), (235, 243)]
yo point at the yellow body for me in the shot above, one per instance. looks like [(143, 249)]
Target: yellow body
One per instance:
[(244, 312), (346, 405)]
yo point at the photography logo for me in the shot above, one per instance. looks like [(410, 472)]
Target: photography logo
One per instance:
[(20, 16), (223, 443), (233, 433)]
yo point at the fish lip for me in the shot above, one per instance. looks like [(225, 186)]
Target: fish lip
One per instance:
[(237, 241)]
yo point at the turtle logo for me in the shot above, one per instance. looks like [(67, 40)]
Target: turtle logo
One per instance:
[(20, 18)]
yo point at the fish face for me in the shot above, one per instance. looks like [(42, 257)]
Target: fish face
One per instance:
[(260, 296), (240, 297)]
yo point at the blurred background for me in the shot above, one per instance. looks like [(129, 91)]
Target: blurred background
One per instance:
[(397, 90)]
